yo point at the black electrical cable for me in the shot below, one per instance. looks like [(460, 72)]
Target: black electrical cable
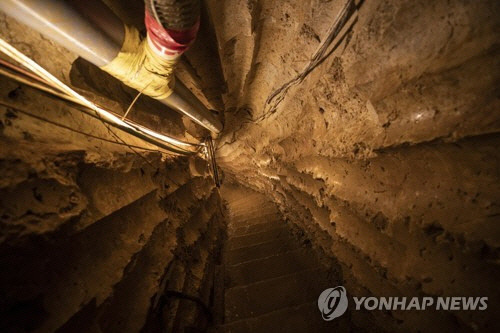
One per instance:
[(197, 300)]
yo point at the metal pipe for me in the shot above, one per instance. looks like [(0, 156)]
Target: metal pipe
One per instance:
[(183, 100), (47, 81), (172, 27), (101, 16), (62, 23), (95, 35)]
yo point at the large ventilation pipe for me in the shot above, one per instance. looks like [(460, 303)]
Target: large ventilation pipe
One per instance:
[(91, 30)]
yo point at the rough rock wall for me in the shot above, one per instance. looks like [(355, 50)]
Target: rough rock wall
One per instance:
[(99, 231), (377, 138), (90, 230), (83, 244)]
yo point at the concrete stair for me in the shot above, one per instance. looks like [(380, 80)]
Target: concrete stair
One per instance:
[(259, 251), (272, 280), (270, 267), (300, 318), (276, 234)]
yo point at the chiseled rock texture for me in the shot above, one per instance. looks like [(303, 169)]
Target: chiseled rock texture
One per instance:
[(90, 249), (376, 139), (99, 231), (379, 141), (93, 232)]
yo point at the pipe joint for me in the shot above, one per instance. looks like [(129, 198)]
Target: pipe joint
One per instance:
[(141, 68), (168, 42), (148, 65)]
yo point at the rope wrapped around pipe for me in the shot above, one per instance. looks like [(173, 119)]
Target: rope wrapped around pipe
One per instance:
[(140, 67)]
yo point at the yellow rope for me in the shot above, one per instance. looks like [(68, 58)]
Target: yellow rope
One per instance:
[(139, 67)]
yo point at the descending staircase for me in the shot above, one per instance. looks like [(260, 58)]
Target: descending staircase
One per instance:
[(272, 279)]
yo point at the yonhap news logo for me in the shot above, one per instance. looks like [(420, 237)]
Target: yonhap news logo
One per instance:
[(333, 302)]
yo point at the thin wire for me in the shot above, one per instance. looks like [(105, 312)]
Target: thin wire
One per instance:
[(135, 100), (74, 130), (276, 97), (47, 88), (44, 74), (37, 84), (22, 70), (131, 105)]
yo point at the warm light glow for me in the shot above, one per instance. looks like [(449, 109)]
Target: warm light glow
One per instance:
[(39, 70)]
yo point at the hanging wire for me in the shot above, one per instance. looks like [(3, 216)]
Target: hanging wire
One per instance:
[(47, 79), (131, 105), (38, 117), (134, 101), (210, 155)]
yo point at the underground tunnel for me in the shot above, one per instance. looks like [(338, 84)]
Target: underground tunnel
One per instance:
[(240, 166)]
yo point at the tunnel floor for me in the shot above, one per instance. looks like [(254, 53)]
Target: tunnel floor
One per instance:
[(272, 275)]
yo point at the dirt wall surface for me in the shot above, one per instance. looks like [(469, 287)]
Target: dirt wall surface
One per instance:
[(384, 150), (376, 140), (97, 225)]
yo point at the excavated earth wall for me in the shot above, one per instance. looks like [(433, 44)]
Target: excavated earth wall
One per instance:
[(379, 141), (99, 231)]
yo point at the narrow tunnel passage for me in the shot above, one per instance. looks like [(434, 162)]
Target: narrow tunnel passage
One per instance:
[(357, 144), (272, 275)]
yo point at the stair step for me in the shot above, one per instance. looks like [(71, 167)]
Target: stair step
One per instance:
[(271, 267), (258, 238), (245, 229), (252, 213), (300, 319), (270, 295), (247, 220), (261, 250)]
